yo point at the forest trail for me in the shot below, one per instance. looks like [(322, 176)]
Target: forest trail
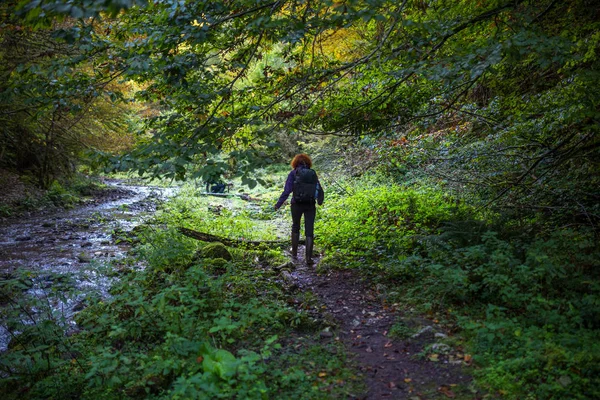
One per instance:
[(392, 367)]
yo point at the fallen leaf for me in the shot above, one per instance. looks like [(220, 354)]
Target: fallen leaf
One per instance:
[(388, 344), (369, 349), (434, 357), (468, 359), (446, 391), (391, 385), (322, 374), (385, 333), (199, 359), (407, 380)]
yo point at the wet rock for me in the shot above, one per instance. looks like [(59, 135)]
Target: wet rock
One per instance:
[(325, 334), (79, 306), (23, 238), (84, 258), (86, 244), (47, 225)]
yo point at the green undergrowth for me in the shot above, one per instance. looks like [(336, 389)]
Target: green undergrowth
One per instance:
[(63, 194), (231, 217), (198, 321), (526, 297)]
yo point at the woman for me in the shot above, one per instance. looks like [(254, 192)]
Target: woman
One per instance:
[(304, 184)]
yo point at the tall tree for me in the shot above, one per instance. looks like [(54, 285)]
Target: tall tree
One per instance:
[(58, 91), (500, 91)]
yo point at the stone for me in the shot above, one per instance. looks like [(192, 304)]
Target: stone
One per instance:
[(441, 348), (215, 250), (325, 334), (565, 380), (84, 258), (79, 306), (287, 277), (440, 335), (425, 330)]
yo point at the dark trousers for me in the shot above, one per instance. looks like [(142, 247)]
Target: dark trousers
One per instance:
[(309, 211)]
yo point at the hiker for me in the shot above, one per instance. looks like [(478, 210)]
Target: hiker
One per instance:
[(216, 186), (304, 184)]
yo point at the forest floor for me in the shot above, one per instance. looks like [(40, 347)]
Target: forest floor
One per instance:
[(399, 354), (417, 366)]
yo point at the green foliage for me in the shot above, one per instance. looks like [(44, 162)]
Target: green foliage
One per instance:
[(60, 196), (383, 220), (181, 327), (527, 303), (401, 330)]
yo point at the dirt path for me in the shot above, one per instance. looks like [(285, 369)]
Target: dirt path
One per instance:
[(391, 366)]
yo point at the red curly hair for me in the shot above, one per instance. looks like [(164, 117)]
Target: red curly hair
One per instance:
[(301, 159)]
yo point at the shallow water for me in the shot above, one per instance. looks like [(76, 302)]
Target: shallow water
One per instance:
[(75, 244)]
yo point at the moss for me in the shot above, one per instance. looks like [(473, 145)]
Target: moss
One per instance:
[(215, 250), (216, 266)]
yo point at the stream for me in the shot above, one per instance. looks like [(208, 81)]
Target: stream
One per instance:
[(75, 244)]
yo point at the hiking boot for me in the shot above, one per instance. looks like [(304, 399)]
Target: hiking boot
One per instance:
[(309, 250), (295, 240)]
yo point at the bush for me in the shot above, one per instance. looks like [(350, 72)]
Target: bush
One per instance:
[(529, 305), (383, 220)]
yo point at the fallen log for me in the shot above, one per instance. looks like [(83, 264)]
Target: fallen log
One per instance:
[(207, 237), (242, 196)]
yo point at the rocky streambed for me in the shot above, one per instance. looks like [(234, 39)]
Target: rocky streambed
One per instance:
[(76, 246)]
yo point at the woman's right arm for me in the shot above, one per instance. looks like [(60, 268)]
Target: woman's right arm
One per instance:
[(289, 188)]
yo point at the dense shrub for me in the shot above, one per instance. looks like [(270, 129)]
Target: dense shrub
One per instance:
[(387, 219), (529, 304)]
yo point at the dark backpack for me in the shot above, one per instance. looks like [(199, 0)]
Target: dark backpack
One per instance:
[(305, 185)]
